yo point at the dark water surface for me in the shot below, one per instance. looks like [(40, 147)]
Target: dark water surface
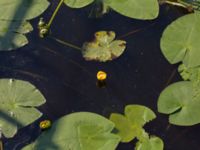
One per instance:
[(69, 82)]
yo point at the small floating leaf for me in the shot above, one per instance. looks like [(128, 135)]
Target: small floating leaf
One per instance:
[(78, 131), (153, 143), (103, 48), (131, 125), (12, 34), (18, 100), (192, 74), (185, 46), (181, 101)]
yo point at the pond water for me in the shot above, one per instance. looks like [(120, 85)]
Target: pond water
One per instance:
[(69, 82)]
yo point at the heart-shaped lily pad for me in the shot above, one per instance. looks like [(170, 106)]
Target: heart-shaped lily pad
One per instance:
[(131, 125), (78, 131), (12, 34), (181, 101), (18, 100), (185, 46), (103, 48)]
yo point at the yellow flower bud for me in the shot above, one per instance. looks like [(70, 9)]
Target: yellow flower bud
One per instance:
[(101, 75), (45, 124)]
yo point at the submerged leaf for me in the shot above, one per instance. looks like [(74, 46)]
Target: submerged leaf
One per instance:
[(185, 48), (103, 48), (153, 143), (78, 131), (18, 100), (22, 9), (12, 34), (182, 102), (131, 125)]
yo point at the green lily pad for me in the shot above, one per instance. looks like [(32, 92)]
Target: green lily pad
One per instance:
[(12, 34), (185, 48), (181, 101), (22, 9), (18, 100), (138, 9), (142, 9), (103, 48), (131, 125), (77, 3), (153, 143), (192, 74), (78, 131)]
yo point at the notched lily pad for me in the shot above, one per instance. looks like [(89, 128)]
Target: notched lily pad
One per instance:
[(131, 125), (103, 48), (78, 131), (181, 101), (185, 48), (18, 100), (12, 34)]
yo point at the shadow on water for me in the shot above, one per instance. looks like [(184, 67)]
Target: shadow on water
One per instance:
[(19, 13), (69, 82)]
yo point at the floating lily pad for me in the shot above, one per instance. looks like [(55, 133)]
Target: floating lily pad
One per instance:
[(103, 48), (153, 143), (185, 48), (78, 3), (138, 9), (142, 9), (22, 9), (78, 131), (192, 74), (18, 100), (181, 101), (12, 34), (131, 125)]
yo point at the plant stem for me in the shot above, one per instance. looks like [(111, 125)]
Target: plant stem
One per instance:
[(67, 43), (54, 13), (1, 145)]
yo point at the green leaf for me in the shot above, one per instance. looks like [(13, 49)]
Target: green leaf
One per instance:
[(192, 74), (181, 101), (17, 101), (77, 3), (139, 115), (103, 48), (153, 143), (78, 131), (12, 34), (131, 125), (181, 41), (138, 9), (22, 9)]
